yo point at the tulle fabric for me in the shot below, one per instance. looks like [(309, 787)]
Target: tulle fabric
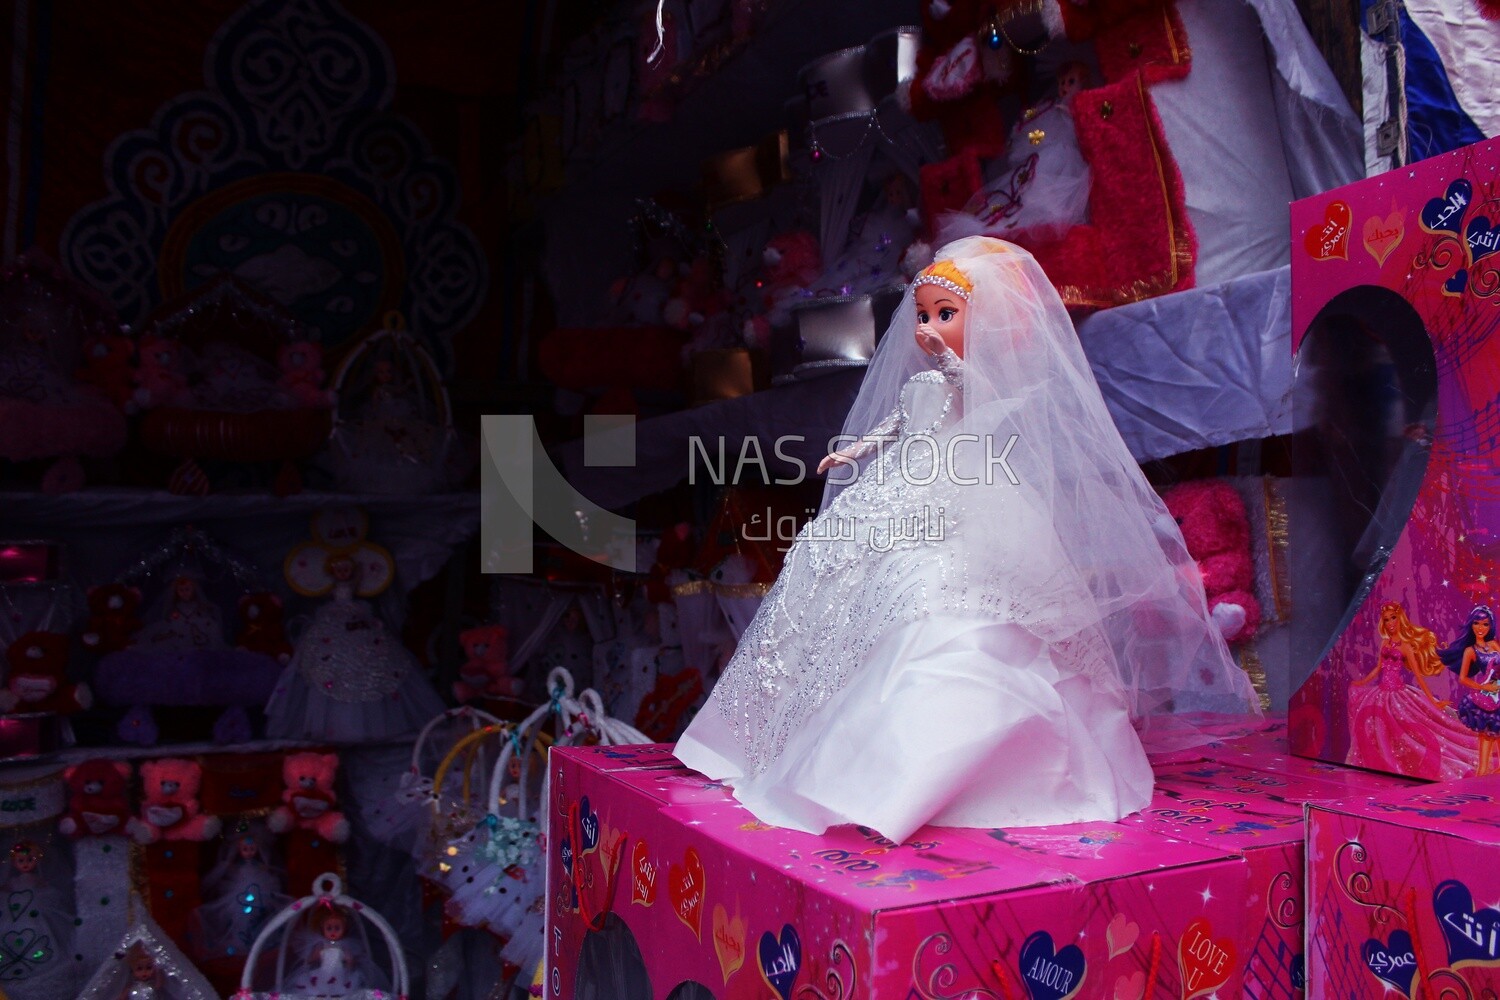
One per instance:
[(1047, 609), (349, 681), (1026, 377)]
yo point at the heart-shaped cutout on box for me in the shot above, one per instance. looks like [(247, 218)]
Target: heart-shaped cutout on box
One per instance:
[(1050, 973), (1329, 239), (685, 890), (729, 941), (1120, 935), (1471, 935), (1205, 963), (1383, 236), (1446, 214), (642, 875), (1393, 961), (780, 960), (1482, 237)]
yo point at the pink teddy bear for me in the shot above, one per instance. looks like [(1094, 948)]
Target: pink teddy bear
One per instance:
[(309, 799), (169, 807), (1217, 532)]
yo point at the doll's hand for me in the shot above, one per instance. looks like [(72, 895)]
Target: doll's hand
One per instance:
[(930, 340), (832, 459)]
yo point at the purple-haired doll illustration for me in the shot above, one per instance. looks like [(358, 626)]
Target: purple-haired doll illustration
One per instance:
[(1475, 657)]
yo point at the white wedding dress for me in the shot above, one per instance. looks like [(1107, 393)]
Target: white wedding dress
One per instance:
[(975, 666)]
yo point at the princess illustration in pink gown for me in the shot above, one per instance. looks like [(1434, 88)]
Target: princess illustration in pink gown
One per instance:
[(1396, 727)]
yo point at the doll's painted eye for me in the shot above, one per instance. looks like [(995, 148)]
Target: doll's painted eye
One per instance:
[(946, 314), (922, 317)]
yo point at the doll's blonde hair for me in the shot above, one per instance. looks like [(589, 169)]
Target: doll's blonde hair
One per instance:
[(1421, 641)]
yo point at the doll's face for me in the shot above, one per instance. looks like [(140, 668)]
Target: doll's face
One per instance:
[(385, 373), (1481, 629), (1388, 620), (186, 588), (341, 569), (1071, 79), (333, 927), (24, 861), (945, 312), (143, 968), (248, 848)]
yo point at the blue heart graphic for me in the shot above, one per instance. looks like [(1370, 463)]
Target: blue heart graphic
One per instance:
[(781, 959), (565, 849), (1393, 962), (1446, 214), (1299, 972), (588, 820), (1470, 936), (1051, 974), (1483, 238), (1457, 282)]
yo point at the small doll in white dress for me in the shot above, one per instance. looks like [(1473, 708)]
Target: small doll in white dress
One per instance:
[(332, 963), (37, 946), (350, 680), (187, 620), (240, 894), (145, 979)]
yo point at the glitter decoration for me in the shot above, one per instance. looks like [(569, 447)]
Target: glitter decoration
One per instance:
[(176, 977)]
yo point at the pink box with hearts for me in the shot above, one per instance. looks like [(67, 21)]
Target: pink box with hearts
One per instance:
[(1395, 308), (1404, 890), (661, 887)]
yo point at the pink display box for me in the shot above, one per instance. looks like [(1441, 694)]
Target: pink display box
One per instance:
[(1404, 890), (1395, 304), (661, 887)]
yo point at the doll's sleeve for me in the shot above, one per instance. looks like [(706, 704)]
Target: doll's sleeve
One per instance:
[(885, 431), (951, 366)]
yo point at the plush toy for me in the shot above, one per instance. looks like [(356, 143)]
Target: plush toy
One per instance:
[(487, 671), (38, 677), (309, 798), (699, 296), (108, 365), (98, 798), (169, 806), (261, 627), (1217, 531), (160, 378), (112, 617), (302, 374)]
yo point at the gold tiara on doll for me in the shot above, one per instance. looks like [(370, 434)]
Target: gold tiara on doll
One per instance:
[(945, 274)]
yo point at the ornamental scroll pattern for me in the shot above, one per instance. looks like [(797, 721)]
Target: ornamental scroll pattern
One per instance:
[(290, 171)]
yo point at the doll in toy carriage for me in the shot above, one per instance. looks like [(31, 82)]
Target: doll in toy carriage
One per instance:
[(325, 951)]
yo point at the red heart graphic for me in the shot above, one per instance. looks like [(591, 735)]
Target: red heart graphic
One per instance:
[(1329, 239), (685, 889), (1206, 964), (1384, 235), (642, 876)]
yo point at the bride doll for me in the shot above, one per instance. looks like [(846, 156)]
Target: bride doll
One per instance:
[(240, 893), (332, 964), (992, 601), (350, 680)]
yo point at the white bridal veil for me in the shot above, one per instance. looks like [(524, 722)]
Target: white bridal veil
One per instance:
[(1113, 584)]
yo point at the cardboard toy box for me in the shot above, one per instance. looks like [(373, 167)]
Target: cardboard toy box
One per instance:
[(661, 887), (1395, 498), (1404, 890)]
